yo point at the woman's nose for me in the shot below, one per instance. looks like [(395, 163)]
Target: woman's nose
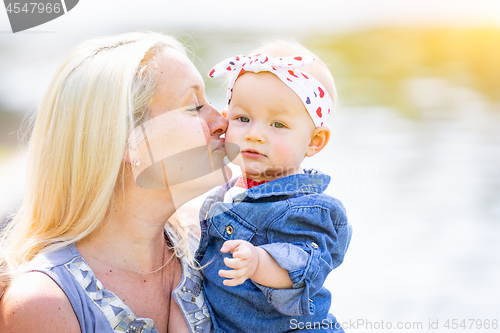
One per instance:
[(217, 124)]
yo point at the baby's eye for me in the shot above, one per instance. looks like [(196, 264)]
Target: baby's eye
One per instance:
[(243, 119), (278, 125)]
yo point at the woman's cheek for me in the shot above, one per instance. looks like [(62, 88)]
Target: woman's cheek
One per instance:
[(202, 124), (172, 149)]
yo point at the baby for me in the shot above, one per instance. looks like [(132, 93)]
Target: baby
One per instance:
[(275, 229)]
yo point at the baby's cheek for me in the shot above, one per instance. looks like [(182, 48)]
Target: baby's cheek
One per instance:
[(235, 132), (293, 153), (230, 133), (285, 156)]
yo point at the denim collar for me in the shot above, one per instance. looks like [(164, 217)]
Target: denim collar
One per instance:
[(311, 181)]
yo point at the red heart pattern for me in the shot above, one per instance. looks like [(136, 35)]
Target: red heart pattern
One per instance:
[(321, 92)]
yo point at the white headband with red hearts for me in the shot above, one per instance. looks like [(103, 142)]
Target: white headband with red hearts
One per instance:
[(312, 93)]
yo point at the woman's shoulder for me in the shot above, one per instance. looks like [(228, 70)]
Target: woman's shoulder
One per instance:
[(35, 303)]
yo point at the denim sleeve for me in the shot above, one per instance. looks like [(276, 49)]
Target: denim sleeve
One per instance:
[(316, 239)]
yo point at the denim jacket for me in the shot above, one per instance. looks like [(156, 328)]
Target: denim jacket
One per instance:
[(304, 230)]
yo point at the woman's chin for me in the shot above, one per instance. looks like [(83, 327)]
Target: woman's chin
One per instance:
[(183, 192)]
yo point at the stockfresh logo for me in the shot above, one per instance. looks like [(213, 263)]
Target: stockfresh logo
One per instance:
[(28, 14)]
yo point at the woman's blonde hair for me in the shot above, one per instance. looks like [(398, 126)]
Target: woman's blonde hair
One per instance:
[(100, 92)]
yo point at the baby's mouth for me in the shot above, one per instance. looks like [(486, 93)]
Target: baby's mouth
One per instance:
[(252, 153)]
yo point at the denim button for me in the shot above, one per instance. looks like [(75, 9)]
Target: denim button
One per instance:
[(229, 229), (314, 245)]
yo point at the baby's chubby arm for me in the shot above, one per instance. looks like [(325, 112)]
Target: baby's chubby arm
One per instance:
[(252, 262)]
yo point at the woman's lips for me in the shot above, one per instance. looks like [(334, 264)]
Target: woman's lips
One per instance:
[(218, 146)]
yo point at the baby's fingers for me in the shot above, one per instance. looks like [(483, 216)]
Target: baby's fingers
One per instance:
[(235, 263), (231, 245), (234, 282), (231, 273), (243, 251), (236, 277)]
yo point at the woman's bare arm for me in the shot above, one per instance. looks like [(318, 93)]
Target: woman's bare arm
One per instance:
[(35, 303)]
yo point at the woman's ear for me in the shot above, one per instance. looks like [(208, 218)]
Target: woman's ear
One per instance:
[(131, 157), (126, 156), (319, 139)]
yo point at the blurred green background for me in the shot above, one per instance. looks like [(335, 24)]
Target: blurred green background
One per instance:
[(371, 67)]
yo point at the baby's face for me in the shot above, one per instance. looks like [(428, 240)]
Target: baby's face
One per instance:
[(269, 123)]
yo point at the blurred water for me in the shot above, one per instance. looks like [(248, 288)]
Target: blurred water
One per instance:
[(424, 199), (12, 181)]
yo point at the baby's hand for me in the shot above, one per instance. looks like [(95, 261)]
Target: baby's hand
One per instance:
[(244, 261)]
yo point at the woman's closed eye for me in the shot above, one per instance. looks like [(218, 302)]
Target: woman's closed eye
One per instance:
[(197, 108)]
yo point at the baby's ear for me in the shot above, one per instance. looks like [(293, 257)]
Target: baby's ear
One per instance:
[(224, 113), (319, 139)]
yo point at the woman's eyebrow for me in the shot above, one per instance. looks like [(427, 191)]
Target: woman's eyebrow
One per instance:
[(196, 87), (187, 95)]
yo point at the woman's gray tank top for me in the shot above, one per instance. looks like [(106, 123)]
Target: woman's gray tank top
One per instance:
[(99, 310)]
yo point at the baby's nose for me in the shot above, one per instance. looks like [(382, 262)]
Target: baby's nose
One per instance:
[(255, 133)]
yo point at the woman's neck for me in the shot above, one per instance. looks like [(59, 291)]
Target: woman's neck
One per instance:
[(131, 237)]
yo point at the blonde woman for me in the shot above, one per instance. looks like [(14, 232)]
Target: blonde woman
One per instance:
[(115, 150)]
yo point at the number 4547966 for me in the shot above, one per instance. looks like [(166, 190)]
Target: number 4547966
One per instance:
[(471, 323), (34, 7)]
